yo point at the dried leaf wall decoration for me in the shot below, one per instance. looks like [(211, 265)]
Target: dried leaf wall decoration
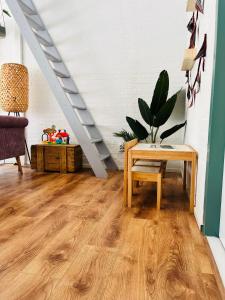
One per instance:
[(195, 6)]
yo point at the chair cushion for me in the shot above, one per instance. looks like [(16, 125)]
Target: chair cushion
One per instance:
[(146, 169), (146, 162)]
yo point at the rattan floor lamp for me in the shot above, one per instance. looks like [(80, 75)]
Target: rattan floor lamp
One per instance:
[(14, 90)]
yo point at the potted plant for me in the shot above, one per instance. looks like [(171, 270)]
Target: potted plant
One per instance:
[(2, 23), (155, 115)]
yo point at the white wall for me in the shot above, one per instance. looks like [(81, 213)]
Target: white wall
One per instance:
[(198, 115), (10, 45), (115, 51)]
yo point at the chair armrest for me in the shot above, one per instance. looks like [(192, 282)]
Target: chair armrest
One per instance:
[(13, 122)]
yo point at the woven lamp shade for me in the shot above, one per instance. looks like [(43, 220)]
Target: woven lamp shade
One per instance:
[(14, 88)]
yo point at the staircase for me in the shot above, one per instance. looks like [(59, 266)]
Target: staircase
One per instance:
[(63, 86)]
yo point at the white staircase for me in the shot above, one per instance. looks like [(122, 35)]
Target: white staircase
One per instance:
[(62, 84)]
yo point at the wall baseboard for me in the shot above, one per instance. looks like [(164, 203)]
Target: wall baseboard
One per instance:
[(218, 254)]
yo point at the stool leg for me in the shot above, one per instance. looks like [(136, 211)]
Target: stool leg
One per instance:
[(159, 191), (135, 186), (130, 192), (130, 181), (185, 176)]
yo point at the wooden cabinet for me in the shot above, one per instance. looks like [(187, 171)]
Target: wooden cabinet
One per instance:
[(56, 158)]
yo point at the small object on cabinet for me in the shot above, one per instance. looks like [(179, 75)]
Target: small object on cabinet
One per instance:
[(52, 136)]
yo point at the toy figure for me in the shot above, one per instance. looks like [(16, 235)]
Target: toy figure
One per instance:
[(52, 136), (50, 130), (48, 133), (44, 137), (59, 139), (65, 137)]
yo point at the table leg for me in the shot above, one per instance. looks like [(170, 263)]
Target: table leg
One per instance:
[(185, 176), (159, 191), (129, 174), (125, 181), (193, 183)]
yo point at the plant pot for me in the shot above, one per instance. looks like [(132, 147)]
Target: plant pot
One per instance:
[(2, 31)]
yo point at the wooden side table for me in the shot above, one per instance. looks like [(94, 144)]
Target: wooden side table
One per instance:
[(158, 152), (56, 158)]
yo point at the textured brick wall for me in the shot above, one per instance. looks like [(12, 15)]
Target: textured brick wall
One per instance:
[(115, 51)]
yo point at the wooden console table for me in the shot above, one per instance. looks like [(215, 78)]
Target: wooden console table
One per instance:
[(56, 158), (160, 152)]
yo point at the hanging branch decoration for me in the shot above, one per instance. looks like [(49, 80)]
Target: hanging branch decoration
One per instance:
[(200, 6), (196, 7), (191, 24), (194, 89)]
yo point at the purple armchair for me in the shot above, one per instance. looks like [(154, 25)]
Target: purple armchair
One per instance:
[(12, 139)]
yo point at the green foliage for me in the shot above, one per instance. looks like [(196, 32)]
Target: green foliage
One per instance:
[(138, 129), (158, 113), (165, 111), (145, 111), (125, 135), (172, 130), (160, 93)]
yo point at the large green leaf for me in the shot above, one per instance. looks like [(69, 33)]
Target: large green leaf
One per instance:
[(160, 93), (172, 130), (165, 112), (138, 129), (145, 112)]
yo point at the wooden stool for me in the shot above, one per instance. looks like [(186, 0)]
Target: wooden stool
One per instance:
[(140, 173), (145, 173)]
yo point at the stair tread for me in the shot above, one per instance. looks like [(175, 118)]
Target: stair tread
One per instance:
[(43, 40), (70, 91), (27, 9), (79, 107), (88, 123), (52, 57), (96, 140), (60, 74), (34, 24), (104, 156)]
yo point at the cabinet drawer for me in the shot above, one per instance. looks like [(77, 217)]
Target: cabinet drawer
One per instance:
[(52, 159)]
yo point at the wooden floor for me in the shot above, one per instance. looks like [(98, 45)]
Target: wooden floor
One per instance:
[(68, 237)]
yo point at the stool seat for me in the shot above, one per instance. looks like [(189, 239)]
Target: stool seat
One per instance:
[(146, 162), (146, 169)]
